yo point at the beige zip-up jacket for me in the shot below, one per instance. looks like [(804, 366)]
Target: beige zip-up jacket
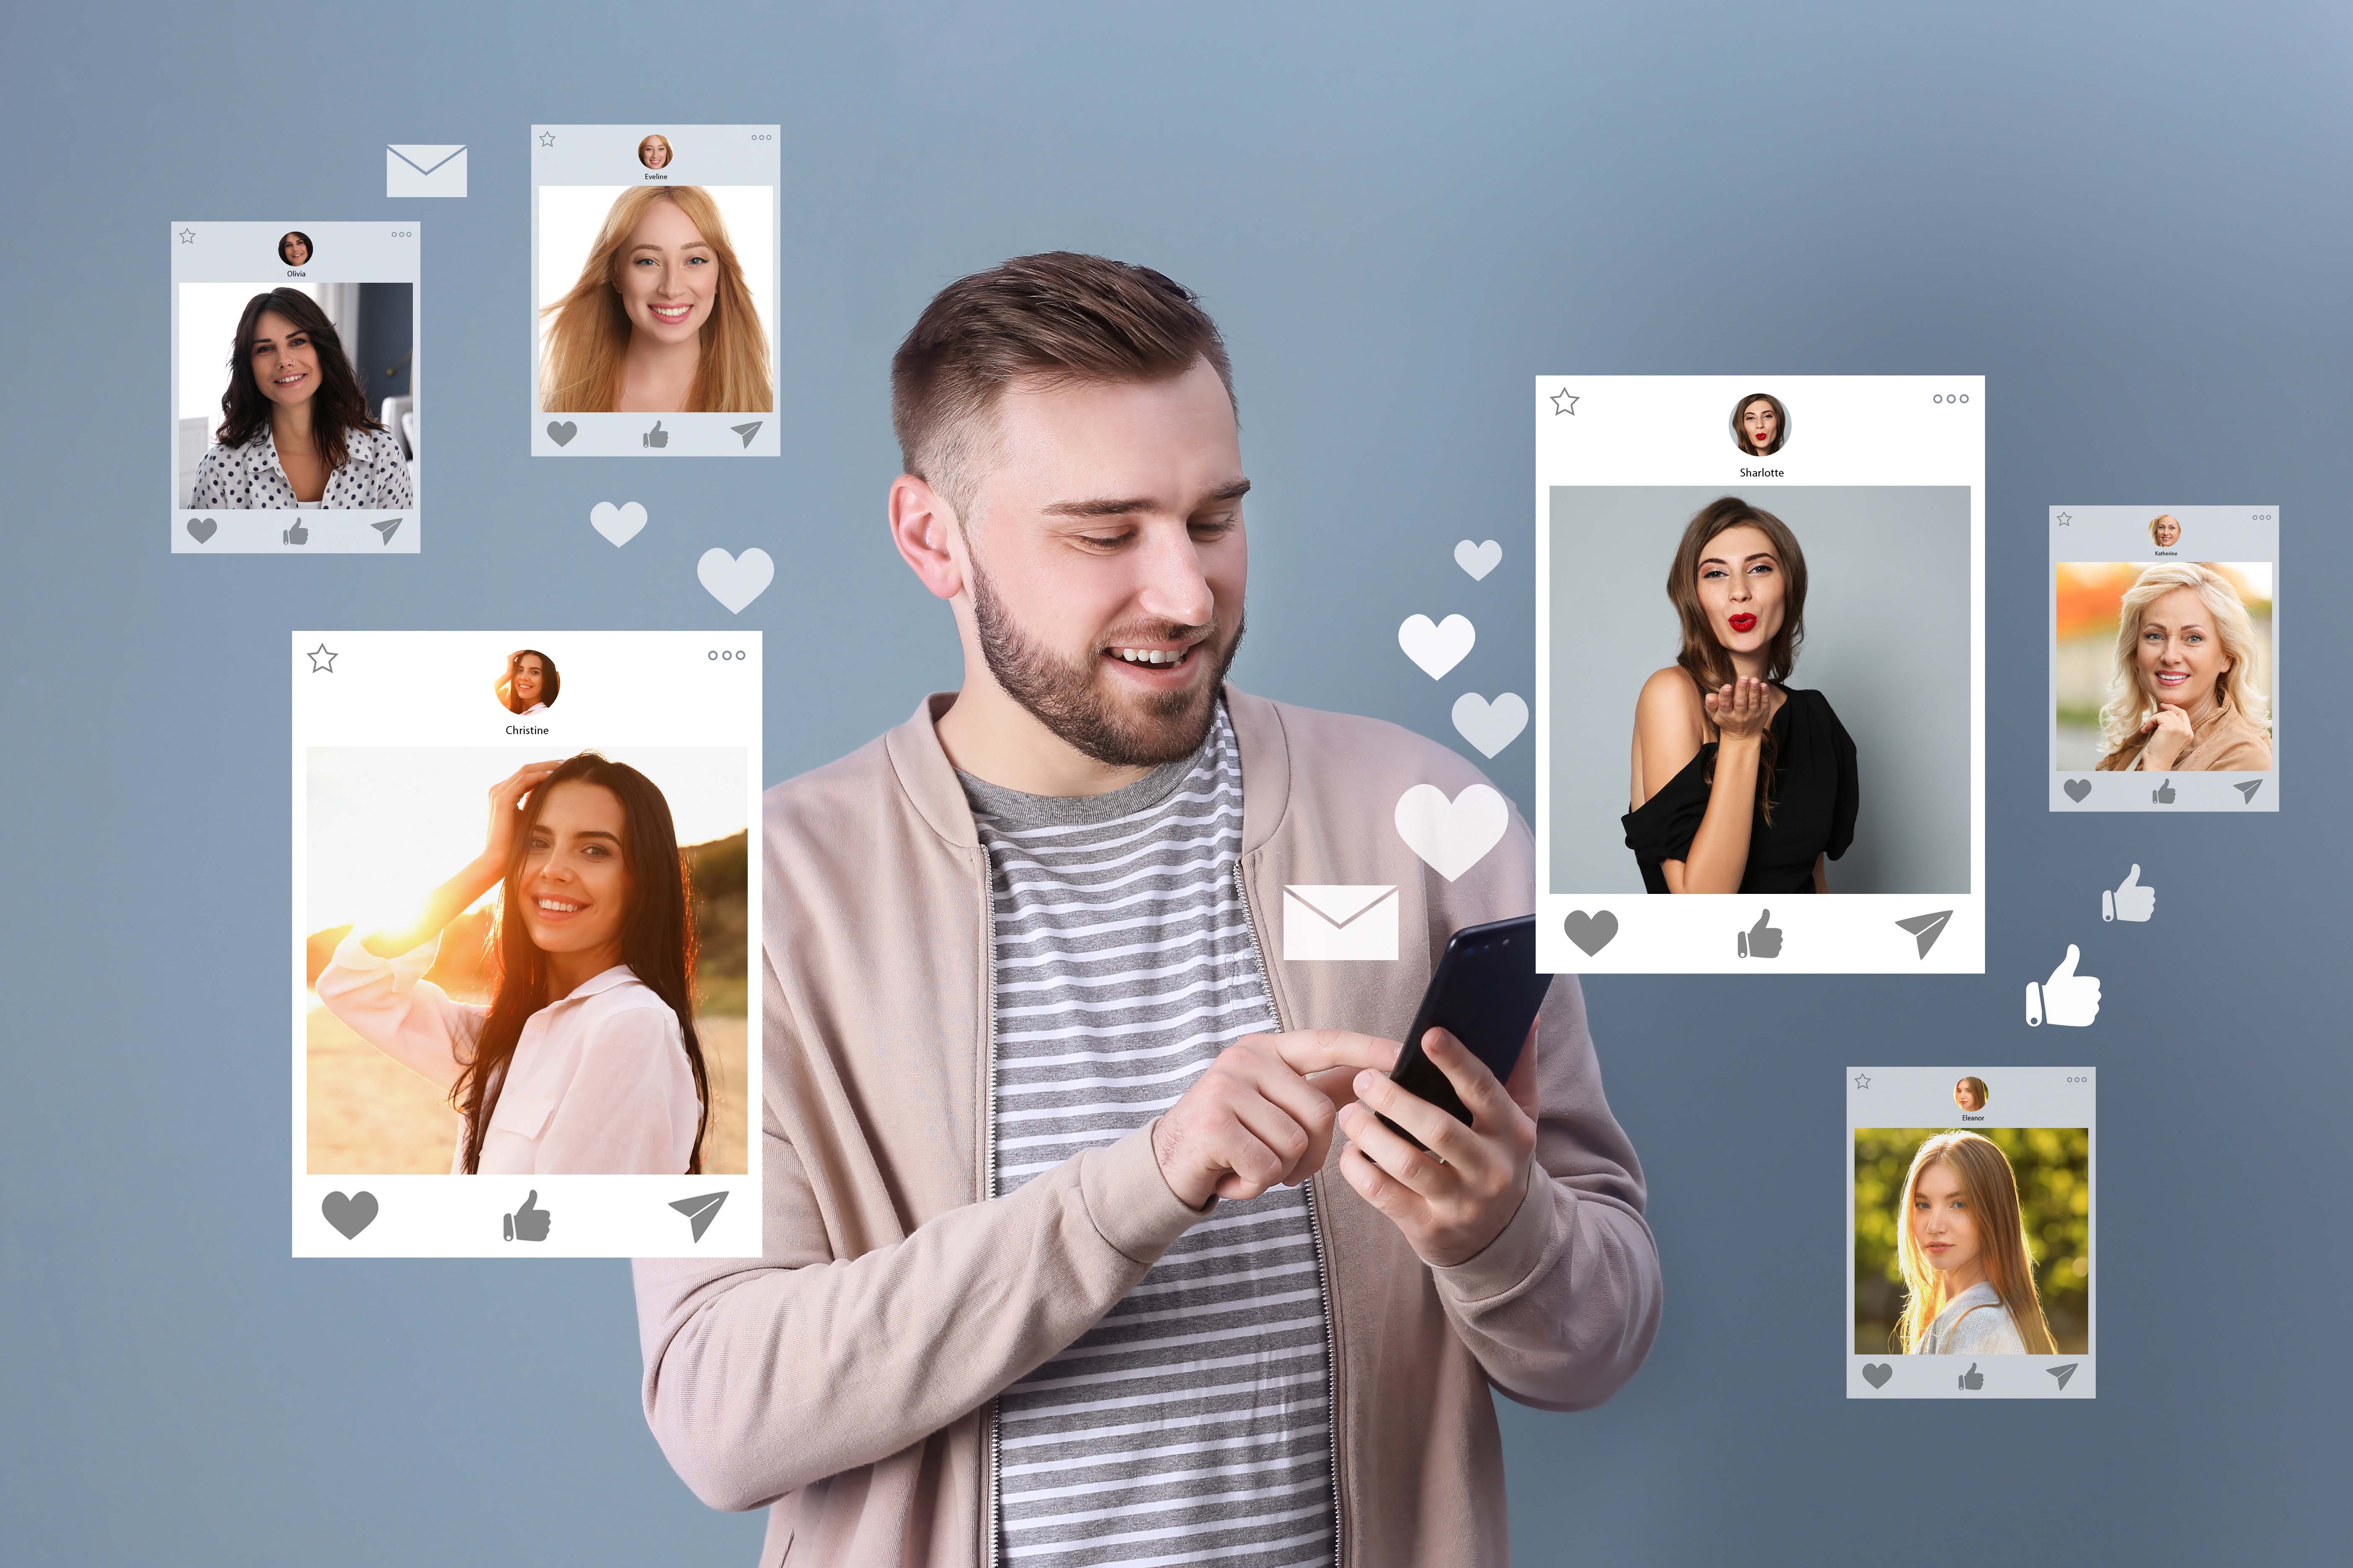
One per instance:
[(847, 1379)]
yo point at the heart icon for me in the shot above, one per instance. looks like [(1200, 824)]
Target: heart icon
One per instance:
[(618, 524), (561, 431), (1437, 648), (736, 580), (1490, 726), (1591, 932), (202, 529), (1877, 1373), (1451, 836), (2077, 789), (350, 1215), (1478, 558)]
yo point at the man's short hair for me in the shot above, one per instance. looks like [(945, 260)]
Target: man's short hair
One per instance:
[(1055, 319)]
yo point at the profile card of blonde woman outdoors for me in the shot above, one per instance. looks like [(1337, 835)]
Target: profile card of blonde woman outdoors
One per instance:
[(2165, 676), (1806, 554), (654, 292), (1972, 1233), (295, 388), (565, 960)]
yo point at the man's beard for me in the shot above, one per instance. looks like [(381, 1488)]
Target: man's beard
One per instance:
[(1070, 700)]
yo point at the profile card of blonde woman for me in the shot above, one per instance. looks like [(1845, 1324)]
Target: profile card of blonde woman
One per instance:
[(654, 290), (1760, 674), (2165, 676), (296, 426), (1972, 1233), (523, 967)]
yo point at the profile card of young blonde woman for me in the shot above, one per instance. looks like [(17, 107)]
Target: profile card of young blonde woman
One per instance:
[(295, 388), (2165, 679), (1760, 674), (1972, 1233), (523, 957), (654, 290)]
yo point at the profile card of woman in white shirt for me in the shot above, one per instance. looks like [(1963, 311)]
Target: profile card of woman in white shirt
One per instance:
[(1972, 1239), (526, 961), (654, 290), (294, 386)]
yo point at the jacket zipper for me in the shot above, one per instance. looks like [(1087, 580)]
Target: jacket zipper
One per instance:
[(988, 1553), (1314, 1232)]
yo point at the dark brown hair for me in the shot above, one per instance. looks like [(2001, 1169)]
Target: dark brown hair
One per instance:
[(1059, 318), (338, 407), (550, 683), (1704, 656), (1780, 425), (657, 943), (292, 235)]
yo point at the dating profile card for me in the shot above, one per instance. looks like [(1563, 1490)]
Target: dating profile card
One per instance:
[(1760, 674), (1972, 1233), (524, 943), (655, 287), (295, 387), (2165, 676)]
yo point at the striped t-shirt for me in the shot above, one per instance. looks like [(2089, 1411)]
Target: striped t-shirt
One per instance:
[(1193, 1424)]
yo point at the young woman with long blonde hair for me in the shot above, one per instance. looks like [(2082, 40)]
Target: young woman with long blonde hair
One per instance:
[(2185, 695), (661, 320), (1968, 1276)]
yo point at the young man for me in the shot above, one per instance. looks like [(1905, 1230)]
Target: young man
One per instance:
[(1079, 1248)]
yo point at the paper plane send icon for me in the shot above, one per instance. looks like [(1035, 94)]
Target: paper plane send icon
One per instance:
[(2248, 789), (748, 431), (388, 527), (2063, 1373), (1927, 929), (700, 1211)]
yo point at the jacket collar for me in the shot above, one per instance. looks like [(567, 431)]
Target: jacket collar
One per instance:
[(929, 781)]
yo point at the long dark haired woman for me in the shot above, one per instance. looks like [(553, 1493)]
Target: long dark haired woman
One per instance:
[(529, 683), (585, 1061), (1740, 784), (295, 431)]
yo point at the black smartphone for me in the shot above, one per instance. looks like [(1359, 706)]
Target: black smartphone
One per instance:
[(1485, 992)]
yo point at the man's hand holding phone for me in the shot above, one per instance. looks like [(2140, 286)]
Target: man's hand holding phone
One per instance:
[(1457, 1193), (1260, 1116)]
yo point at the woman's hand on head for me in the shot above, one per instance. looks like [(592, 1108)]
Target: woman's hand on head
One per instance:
[(1738, 710), (2170, 735), (507, 798)]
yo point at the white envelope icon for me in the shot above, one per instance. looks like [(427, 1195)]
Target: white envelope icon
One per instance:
[(419, 169), (1339, 920)]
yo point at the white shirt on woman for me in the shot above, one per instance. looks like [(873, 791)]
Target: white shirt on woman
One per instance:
[(373, 475), (600, 1083), (1974, 1322)]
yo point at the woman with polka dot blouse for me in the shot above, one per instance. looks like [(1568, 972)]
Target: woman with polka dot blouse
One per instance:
[(294, 428)]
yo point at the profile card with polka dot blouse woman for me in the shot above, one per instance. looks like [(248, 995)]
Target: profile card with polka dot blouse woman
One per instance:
[(1760, 738), (654, 290), (295, 426), (524, 918)]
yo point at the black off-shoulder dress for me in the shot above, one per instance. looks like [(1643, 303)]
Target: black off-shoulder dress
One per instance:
[(1814, 799)]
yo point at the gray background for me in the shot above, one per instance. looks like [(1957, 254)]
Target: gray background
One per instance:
[(2124, 216), (1887, 642)]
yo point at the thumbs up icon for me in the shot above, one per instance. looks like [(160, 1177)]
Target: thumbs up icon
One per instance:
[(2066, 998), (657, 437), (1762, 939), (2131, 901), (2164, 792), (1973, 1379), (528, 1224)]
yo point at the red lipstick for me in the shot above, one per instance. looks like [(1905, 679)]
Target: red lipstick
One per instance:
[(1742, 622)]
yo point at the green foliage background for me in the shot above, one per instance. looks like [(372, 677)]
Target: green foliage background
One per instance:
[(2054, 1166)]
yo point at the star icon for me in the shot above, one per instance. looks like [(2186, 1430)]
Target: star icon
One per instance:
[(187, 236), (322, 657), (1863, 1081), (1562, 402), (547, 138), (2064, 518)]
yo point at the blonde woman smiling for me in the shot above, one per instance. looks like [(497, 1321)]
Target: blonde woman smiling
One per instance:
[(1969, 1279), (2184, 696), (661, 320)]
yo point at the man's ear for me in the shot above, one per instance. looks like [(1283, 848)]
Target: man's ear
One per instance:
[(923, 526)]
